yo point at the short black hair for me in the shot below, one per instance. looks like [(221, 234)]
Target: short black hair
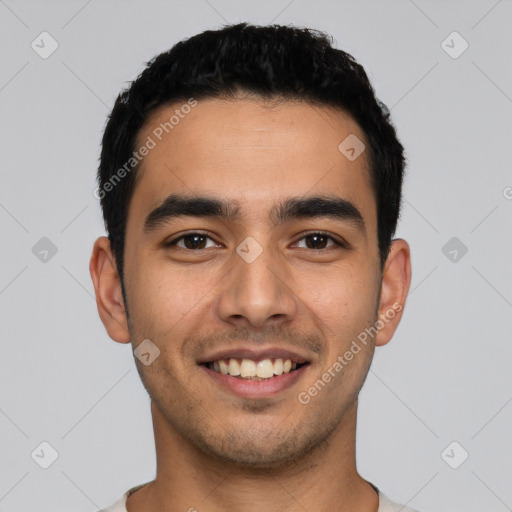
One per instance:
[(269, 62)]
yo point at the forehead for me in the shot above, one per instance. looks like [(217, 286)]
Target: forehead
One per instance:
[(252, 153)]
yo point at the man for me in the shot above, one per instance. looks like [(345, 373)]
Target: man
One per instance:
[(250, 183)]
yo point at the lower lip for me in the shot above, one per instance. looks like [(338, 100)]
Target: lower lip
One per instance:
[(256, 388)]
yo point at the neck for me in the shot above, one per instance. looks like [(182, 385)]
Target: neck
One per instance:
[(188, 479)]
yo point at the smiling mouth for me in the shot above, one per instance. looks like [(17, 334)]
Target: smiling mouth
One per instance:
[(249, 369)]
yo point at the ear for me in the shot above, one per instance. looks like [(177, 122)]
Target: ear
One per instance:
[(107, 286), (396, 279)]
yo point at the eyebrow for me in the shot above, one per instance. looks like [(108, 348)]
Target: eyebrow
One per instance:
[(302, 207)]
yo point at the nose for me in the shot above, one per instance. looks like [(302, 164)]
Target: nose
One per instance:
[(256, 293)]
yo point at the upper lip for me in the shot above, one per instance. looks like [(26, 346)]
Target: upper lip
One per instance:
[(255, 355)]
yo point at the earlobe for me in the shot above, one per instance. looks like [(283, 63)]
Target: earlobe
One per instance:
[(396, 279), (107, 287)]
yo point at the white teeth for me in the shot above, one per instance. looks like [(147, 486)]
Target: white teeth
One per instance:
[(234, 367), (265, 369), (278, 367), (250, 369), (223, 367)]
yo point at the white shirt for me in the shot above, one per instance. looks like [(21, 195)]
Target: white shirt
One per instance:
[(385, 504)]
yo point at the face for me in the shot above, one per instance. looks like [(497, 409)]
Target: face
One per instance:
[(265, 261)]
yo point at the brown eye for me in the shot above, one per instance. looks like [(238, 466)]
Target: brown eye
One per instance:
[(319, 241), (191, 241)]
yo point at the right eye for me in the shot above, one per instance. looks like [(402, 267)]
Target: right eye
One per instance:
[(191, 241)]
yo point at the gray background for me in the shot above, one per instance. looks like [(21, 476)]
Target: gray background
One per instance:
[(445, 377)]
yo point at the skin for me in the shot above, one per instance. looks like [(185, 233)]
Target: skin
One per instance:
[(215, 450)]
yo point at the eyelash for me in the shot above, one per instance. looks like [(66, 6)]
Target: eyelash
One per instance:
[(207, 234)]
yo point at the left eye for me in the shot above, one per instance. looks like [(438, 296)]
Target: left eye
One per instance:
[(319, 239)]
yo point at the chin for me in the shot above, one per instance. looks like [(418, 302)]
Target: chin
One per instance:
[(262, 450)]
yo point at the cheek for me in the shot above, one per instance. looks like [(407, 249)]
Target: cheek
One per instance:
[(344, 299), (165, 298)]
